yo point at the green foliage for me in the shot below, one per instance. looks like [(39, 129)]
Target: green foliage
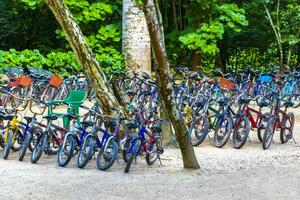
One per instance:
[(59, 63), (99, 21), (204, 38)]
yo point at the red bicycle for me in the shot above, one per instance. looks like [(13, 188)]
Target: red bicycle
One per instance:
[(246, 122), (279, 120)]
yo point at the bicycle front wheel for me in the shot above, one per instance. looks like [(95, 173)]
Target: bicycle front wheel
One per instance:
[(132, 153), (86, 151), (107, 155), (222, 131)]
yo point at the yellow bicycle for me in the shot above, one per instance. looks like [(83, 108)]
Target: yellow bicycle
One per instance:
[(13, 132)]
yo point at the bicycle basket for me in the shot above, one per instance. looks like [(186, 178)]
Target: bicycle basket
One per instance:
[(55, 81), (21, 81), (226, 84)]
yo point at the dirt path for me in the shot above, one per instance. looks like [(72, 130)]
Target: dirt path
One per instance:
[(249, 173)]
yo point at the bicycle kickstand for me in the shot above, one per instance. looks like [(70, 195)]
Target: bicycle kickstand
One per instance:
[(209, 138), (249, 139), (294, 140), (160, 161)]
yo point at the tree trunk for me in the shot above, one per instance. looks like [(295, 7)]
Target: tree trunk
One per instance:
[(165, 86), (289, 56), (136, 40), (196, 61), (84, 56), (276, 30)]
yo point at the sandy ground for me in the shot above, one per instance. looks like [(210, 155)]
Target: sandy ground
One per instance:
[(248, 173)]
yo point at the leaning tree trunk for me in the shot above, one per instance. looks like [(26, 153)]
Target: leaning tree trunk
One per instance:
[(84, 55), (165, 85), (136, 40)]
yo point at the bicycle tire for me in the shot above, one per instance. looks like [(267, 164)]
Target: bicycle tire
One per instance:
[(200, 135), (24, 146), (283, 136), (219, 140), (269, 132), (84, 157), (8, 144), (61, 162), (39, 148), (239, 138), (264, 119), (132, 154), (111, 158)]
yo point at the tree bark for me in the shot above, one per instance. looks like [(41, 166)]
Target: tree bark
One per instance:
[(196, 61), (84, 56), (135, 40), (165, 86)]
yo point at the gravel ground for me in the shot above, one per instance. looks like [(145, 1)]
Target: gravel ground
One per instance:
[(248, 173)]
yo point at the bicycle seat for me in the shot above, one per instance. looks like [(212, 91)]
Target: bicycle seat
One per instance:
[(130, 93), (156, 129), (147, 93), (29, 119), (288, 103), (70, 116), (87, 123), (263, 103), (6, 117), (51, 117), (244, 100), (223, 101), (132, 125), (111, 123)]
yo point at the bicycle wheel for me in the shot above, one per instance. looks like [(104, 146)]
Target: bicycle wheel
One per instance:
[(86, 151), (2, 144), (125, 150), (107, 155), (241, 132), (8, 144), (16, 91), (153, 152), (24, 146), (269, 132), (66, 150), (199, 130), (286, 133), (222, 131), (19, 138), (261, 126), (36, 134), (48, 94), (39, 148), (132, 153)]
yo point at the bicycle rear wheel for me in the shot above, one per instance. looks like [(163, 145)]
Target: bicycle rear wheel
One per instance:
[(287, 124)]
